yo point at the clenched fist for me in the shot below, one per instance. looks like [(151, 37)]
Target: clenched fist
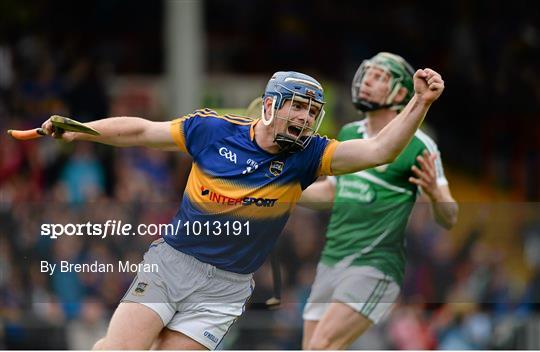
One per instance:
[(428, 85), (56, 132)]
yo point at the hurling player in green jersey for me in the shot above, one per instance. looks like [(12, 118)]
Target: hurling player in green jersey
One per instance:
[(363, 262)]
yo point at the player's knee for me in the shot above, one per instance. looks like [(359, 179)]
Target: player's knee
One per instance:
[(319, 343), (305, 344), (107, 344), (99, 344)]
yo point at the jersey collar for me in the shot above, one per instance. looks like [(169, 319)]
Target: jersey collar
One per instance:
[(252, 130)]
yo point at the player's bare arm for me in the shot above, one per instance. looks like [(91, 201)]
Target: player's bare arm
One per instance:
[(354, 155), (444, 207), (122, 132), (319, 196)]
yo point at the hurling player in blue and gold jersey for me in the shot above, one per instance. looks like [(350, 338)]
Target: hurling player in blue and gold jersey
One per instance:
[(246, 178)]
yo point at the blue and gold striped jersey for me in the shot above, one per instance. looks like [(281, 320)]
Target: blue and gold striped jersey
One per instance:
[(238, 196)]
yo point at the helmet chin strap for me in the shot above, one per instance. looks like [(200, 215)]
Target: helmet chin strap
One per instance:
[(287, 144), (367, 106)]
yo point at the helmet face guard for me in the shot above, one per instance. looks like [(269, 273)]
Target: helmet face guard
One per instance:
[(400, 73), (297, 136), (299, 89)]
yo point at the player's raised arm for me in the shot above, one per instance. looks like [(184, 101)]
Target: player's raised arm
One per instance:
[(358, 154), (122, 132)]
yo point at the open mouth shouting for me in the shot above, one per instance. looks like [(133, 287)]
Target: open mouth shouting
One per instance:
[(294, 131)]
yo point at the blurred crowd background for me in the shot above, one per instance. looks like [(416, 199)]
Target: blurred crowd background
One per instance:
[(475, 287)]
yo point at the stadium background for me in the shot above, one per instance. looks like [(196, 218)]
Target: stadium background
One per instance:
[(477, 286)]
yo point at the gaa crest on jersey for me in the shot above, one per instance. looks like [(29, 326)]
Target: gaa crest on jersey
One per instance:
[(276, 167)]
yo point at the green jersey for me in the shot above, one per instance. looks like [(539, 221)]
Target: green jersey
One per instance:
[(372, 207)]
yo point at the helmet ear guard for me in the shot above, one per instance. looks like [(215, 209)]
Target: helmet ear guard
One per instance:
[(272, 113)]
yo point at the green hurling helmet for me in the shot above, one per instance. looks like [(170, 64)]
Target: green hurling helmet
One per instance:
[(401, 74)]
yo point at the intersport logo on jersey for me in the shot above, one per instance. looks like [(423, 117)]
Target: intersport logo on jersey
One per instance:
[(246, 201)]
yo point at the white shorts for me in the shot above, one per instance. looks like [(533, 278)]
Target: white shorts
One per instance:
[(365, 289), (190, 296)]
